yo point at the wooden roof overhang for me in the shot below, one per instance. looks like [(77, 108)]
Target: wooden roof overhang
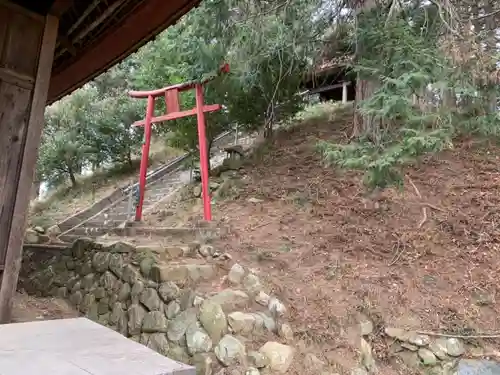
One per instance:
[(96, 34)]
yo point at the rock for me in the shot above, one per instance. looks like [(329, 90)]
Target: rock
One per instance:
[(88, 282), (236, 274), (159, 343), (454, 347), (204, 363), (396, 333), (39, 230), (197, 340), (241, 323), (187, 298), (100, 261), (366, 355), (124, 292), (178, 353), (81, 246), (93, 313), (178, 327), (230, 351), (30, 236), (62, 292), (182, 272), (104, 319), (438, 347), (76, 298), (154, 321), (121, 247), (87, 301), (313, 364), (255, 200), (264, 322), (146, 265), (116, 264), (285, 331), (129, 274), (213, 319), (276, 307), (150, 299), (122, 325), (108, 280), (99, 292), (103, 306), (410, 347), (136, 314), (54, 231), (252, 371), (359, 371), (85, 268), (230, 299), (173, 309), (366, 327), (419, 340), (280, 356), (136, 291), (116, 313), (252, 284), (169, 291), (262, 299), (428, 357), (198, 301), (206, 250), (257, 359)]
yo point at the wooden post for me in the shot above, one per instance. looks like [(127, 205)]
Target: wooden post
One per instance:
[(344, 92), (27, 43)]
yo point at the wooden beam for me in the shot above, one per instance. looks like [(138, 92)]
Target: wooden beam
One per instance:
[(24, 165), (176, 115), (59, 7)]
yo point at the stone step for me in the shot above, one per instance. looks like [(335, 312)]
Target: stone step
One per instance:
[(88, 231), (107, 223), (183, 234), (183, 273), (70, 238)]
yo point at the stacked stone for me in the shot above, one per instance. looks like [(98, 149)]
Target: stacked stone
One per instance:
[(156, 304)]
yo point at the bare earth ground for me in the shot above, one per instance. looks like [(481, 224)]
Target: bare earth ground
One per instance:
[(28, 309), (333, 252)]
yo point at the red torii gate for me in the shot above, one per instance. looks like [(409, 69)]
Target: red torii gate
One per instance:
[(173, 112)]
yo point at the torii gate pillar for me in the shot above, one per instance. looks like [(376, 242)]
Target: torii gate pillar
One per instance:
[(27, 43)]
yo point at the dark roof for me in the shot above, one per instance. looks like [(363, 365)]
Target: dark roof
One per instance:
[(96, 34)]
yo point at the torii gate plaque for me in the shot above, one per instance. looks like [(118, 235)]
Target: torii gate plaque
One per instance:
[(173, 112)]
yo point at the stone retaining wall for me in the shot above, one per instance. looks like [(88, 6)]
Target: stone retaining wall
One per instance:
[(152, 300)]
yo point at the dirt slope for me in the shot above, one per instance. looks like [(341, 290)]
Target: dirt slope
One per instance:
[(425, 258)]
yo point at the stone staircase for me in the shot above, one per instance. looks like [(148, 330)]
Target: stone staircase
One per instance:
[(121, 210)]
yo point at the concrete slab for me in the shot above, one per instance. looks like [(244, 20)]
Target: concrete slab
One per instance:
[(78, 347)]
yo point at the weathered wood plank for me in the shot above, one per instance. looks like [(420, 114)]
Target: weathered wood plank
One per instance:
[(21, 119)]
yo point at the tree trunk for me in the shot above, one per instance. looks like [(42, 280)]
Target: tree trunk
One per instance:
[(364, 125), (129, 159), (491, 49), (72, 177)]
